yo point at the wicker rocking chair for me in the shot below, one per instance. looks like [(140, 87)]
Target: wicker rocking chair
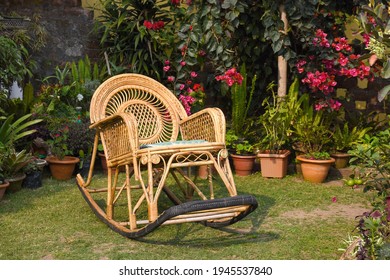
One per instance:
[(138, 122)]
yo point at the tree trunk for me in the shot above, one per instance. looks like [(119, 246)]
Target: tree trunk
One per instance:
[(282, 63)]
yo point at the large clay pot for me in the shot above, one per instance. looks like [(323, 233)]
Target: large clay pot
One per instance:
[(3, 188), (314, 170), (62, 169), (274, 165), (243, 165), (103, 161), (341, 160), (15, 183)]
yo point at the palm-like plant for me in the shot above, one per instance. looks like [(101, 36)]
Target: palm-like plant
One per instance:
[(11, 131)]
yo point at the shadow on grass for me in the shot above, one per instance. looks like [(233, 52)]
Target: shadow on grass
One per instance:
[(245, 231)]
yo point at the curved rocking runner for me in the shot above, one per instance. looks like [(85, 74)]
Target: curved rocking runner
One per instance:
[(138, 122)]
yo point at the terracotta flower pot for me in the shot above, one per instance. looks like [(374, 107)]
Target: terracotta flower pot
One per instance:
[(314, 170), (274, 165), (243, 165), (3, 188), (104, 164), (15, 183), (341, 160), (62, 169)]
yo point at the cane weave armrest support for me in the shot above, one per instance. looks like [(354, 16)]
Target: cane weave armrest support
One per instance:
[(146, 133), (208, 124)]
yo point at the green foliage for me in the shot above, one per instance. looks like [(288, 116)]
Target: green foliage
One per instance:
[(239, 146), (345, 138), (125, 38), (13, 162), (241, 102), (374, 231), (371, 159), (312, 128), (12, 65), (70, 87), (59, 133), (11, 131), (278, 118)]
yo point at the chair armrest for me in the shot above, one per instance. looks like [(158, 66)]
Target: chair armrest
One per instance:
[(118, 134), (208, 124)]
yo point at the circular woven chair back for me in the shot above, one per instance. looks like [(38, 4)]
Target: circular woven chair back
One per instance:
[(155, 107)]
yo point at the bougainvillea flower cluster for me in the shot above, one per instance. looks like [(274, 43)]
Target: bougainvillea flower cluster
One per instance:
[(187, 101), (154, 25), (326, 60), (230, 77)]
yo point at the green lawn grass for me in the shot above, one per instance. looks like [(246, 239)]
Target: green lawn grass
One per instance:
[(294, 220)]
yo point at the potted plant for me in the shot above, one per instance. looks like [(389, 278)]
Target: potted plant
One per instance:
[(13, 162), (312, 135), (344, 138), (34, 171), (61, 163), (13, 168), (242, 154), (277, 123), (237, 137), (80, 142)]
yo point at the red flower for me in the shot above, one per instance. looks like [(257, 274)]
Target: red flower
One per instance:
[(148, 24)]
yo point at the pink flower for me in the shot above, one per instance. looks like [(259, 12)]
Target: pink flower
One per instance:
[(201, 53), (167, 62), (342, 60), (181, 87), (187, 101), (171, 79), (230, 77), (148, 24), (175, 2), (334, 104), (166, 68), (182, 63), (194, 74), (334, 199)]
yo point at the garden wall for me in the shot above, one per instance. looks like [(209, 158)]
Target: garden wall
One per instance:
[(68, 27)]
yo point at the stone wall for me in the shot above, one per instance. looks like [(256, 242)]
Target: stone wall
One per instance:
[(68, 26)]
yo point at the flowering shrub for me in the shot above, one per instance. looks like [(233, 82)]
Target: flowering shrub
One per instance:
[(326, 60), (375, 22), (230, 77)]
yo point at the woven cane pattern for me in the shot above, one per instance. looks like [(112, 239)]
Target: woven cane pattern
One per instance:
[(113, 137), (200, 128), (156, 109)]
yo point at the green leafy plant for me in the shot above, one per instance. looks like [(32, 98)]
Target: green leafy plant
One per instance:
[(59, 133), (12, 65), (278, 118), (238, 145), (11, 131), (126, 38), (311, 131), (374, 230), (13, 162), (371, 159), (345, 138)]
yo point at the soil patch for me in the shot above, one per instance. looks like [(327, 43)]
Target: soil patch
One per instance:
[(334, 210)]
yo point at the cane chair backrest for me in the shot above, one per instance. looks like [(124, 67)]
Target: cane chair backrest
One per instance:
[(155, 107)]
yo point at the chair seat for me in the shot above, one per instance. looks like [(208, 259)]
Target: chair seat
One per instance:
[(181, 142)]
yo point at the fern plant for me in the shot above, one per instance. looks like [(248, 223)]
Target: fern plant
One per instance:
[(241, 101)]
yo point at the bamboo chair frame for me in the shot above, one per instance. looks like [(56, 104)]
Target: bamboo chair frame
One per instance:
[(138, 122)]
